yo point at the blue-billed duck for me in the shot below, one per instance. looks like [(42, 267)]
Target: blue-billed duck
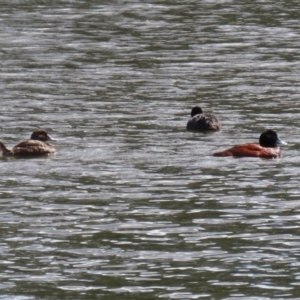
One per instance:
[(267, 147)]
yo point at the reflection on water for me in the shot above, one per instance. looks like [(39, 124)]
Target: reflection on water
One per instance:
[(132, 205)]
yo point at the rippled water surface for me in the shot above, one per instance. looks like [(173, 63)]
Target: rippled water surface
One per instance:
[(133, 206)]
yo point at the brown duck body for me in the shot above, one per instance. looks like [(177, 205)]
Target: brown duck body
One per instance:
[(202, 122), (250, 150), (34, 147)]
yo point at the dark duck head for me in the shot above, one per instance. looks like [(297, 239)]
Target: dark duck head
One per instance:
[(270, 139), (41, 135)]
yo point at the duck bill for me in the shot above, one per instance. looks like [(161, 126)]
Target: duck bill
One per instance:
[(49, 138), (280, 142)]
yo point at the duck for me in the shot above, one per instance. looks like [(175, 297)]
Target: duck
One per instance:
[(267, 147), (35, 146), (202, 122)]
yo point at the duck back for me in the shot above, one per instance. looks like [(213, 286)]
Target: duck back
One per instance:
[(203, 122), (250, 150), (32, 147)]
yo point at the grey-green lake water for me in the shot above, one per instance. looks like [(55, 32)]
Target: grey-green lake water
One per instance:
[(133, 206)]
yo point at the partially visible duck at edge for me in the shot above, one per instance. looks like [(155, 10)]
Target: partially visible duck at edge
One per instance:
[(34, 147), (202, 122), (267, 147)]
